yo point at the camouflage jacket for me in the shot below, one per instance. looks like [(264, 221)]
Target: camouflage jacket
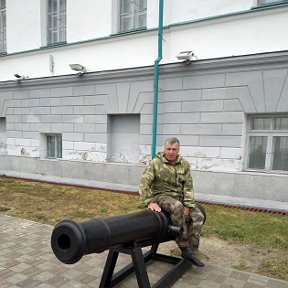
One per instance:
[(161, 178)]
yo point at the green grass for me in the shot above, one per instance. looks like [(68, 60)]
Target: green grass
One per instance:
[(49, 203), (248, 227), (275, 267), (242, 266)]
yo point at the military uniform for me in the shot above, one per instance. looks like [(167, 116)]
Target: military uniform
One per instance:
[(171, 187)]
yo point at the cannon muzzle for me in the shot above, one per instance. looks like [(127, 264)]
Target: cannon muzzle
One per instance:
[(71, 240)]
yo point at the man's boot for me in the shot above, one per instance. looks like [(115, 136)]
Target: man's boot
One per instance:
[(188, 254)]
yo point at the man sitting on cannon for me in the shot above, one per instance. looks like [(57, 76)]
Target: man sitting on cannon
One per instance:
[(167, 185)]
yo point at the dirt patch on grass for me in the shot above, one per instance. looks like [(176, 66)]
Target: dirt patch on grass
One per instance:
[(245, 257)]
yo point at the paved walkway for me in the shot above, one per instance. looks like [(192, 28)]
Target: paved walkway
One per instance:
[(26, 260)]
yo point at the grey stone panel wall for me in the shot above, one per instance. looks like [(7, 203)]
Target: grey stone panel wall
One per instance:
[(61, 92), (232, 105), (4, 96), (266, 88), (52, 102), (44, 94), (201, 129), (84, 90), (204, 81), (241, 94)]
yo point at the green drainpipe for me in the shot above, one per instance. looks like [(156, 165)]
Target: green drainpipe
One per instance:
[(156, 76)]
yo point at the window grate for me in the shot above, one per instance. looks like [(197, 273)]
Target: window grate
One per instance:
[(3, 46), (133, 15), (56, 24)]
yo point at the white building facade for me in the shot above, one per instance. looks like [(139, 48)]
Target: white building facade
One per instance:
[(228, 105), (92, 34)]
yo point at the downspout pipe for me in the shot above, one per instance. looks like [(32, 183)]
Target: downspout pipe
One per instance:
[(156, 77)]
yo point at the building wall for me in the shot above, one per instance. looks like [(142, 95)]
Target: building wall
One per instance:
[(90, 19), (23, 25), (204, 104), (96, 23), (219, 30)]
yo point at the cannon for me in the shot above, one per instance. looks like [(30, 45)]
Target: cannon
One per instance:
[(71, 240), (127, 234)]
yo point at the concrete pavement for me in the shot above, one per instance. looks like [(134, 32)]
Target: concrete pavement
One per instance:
[(26, 260)]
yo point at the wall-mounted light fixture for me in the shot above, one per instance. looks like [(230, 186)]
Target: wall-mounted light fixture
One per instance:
[(19, 77), (186, 56), (79, 68)]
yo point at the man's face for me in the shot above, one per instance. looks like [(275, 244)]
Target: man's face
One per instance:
[(171, 152)]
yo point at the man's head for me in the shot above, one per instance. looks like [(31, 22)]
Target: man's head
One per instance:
[(171, 149)]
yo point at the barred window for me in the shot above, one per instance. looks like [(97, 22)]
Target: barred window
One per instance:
[(132, 14), (56, 25), (3, 47)]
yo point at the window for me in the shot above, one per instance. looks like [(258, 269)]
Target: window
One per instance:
[(2, 125), (132, 14), (3, 138), (54, 146), (2, 26), (268, 143), (56, 21), (267, 2)]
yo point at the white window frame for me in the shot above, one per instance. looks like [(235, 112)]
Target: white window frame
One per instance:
[(270, 134), (56, 148), (56, 33), (270, 2), (134, 16), (3, 45)]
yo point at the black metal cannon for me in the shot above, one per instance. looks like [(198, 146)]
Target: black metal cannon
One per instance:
[(126, 234)]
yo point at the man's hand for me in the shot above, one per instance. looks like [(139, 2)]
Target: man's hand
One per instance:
[(187, 215), (186, 212), (154, 207)]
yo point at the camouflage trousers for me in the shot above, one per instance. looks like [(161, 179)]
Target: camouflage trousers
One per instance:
[(191, 230)]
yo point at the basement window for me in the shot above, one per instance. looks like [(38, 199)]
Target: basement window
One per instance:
[(2, 125), (3, 136), (54, 146)]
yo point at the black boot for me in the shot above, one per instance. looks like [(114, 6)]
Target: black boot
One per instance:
[(187, 254)]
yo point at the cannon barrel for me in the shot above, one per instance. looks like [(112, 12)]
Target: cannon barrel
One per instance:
[(71, 240)]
